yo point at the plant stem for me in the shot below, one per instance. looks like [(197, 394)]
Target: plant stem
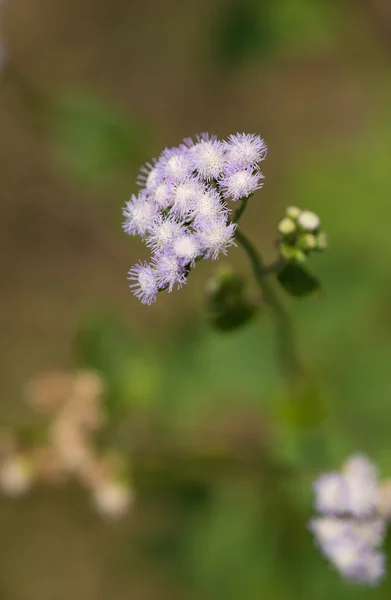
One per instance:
[(286, 343)]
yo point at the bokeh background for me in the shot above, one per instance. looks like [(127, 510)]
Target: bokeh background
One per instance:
[(89, 91)]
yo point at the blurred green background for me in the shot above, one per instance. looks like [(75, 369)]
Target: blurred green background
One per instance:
[(93, 89)]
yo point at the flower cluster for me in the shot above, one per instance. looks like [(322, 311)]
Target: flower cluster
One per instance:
[(299, 234), (181, 211), (66, 448), (354, 508)]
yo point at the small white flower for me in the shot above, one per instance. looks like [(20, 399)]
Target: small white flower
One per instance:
[(112, 499), (208, 158), (186, 247), (308, 220), (331, 493), (16, 475)]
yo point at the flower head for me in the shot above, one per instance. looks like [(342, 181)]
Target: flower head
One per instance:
[(208, 158), (174, 164), (215, 237), (351, 529), (139, 213), (145, 287), (182, 211), (239, 183), (186, 247), (170, 270), (245, 150), (162, 232)]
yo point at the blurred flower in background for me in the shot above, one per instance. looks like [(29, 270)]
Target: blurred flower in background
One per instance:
[(72, 404), (353, 520)]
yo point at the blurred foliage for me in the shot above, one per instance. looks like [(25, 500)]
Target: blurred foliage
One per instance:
[(298, 281), (94, 140), (248, 29)]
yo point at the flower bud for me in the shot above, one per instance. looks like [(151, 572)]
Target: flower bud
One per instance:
[(286, 226), (307, 242), (112, 499), (309, 221), (292, 212)]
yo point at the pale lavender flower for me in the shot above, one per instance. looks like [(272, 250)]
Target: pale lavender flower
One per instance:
[(185, 195), (239, 183), (362, 483), (245, 150), (350, 530), (182, 213), (215, 236), (148, 176), (331, 493), (139, 214), (169, 270), (162, 195), (145, 287), (186, 247), (352, 546), (174, 164), (208, 158), (162, 232), (208, 205)]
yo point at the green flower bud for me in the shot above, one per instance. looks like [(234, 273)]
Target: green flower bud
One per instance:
[(321, 241), (307, 242), (286, 226), (292, 212)]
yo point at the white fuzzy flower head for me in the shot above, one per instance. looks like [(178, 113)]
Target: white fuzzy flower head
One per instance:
[(163, 232), (331, 493), (186, 248), (362, 483), (216, 236), (145, 286), (237, 184), (185, 195), (169, 270), (112, 499), (208, 158), (327, 529), (245, 150), (148, 176), (308, 220), (174, 164), (162, 195), (208, 205), (139, 214), (16, 475)]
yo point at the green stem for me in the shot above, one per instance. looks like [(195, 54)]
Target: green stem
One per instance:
[(241, 209), (286, 343)]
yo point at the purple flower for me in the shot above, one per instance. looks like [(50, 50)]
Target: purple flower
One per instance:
[(139, 214), (331, 493), (182, 213), (148, 176), (185, 195), (208, 204), (245, 150), (350, 530), (162, 232), (169, 270), (146, 286), (215, 236), (208, 158), (162, 195), (174, 164), (186, 248), (239, 183)]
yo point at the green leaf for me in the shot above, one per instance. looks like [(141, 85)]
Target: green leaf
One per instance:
[(297, 280), (93, 138), (132, 376)]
